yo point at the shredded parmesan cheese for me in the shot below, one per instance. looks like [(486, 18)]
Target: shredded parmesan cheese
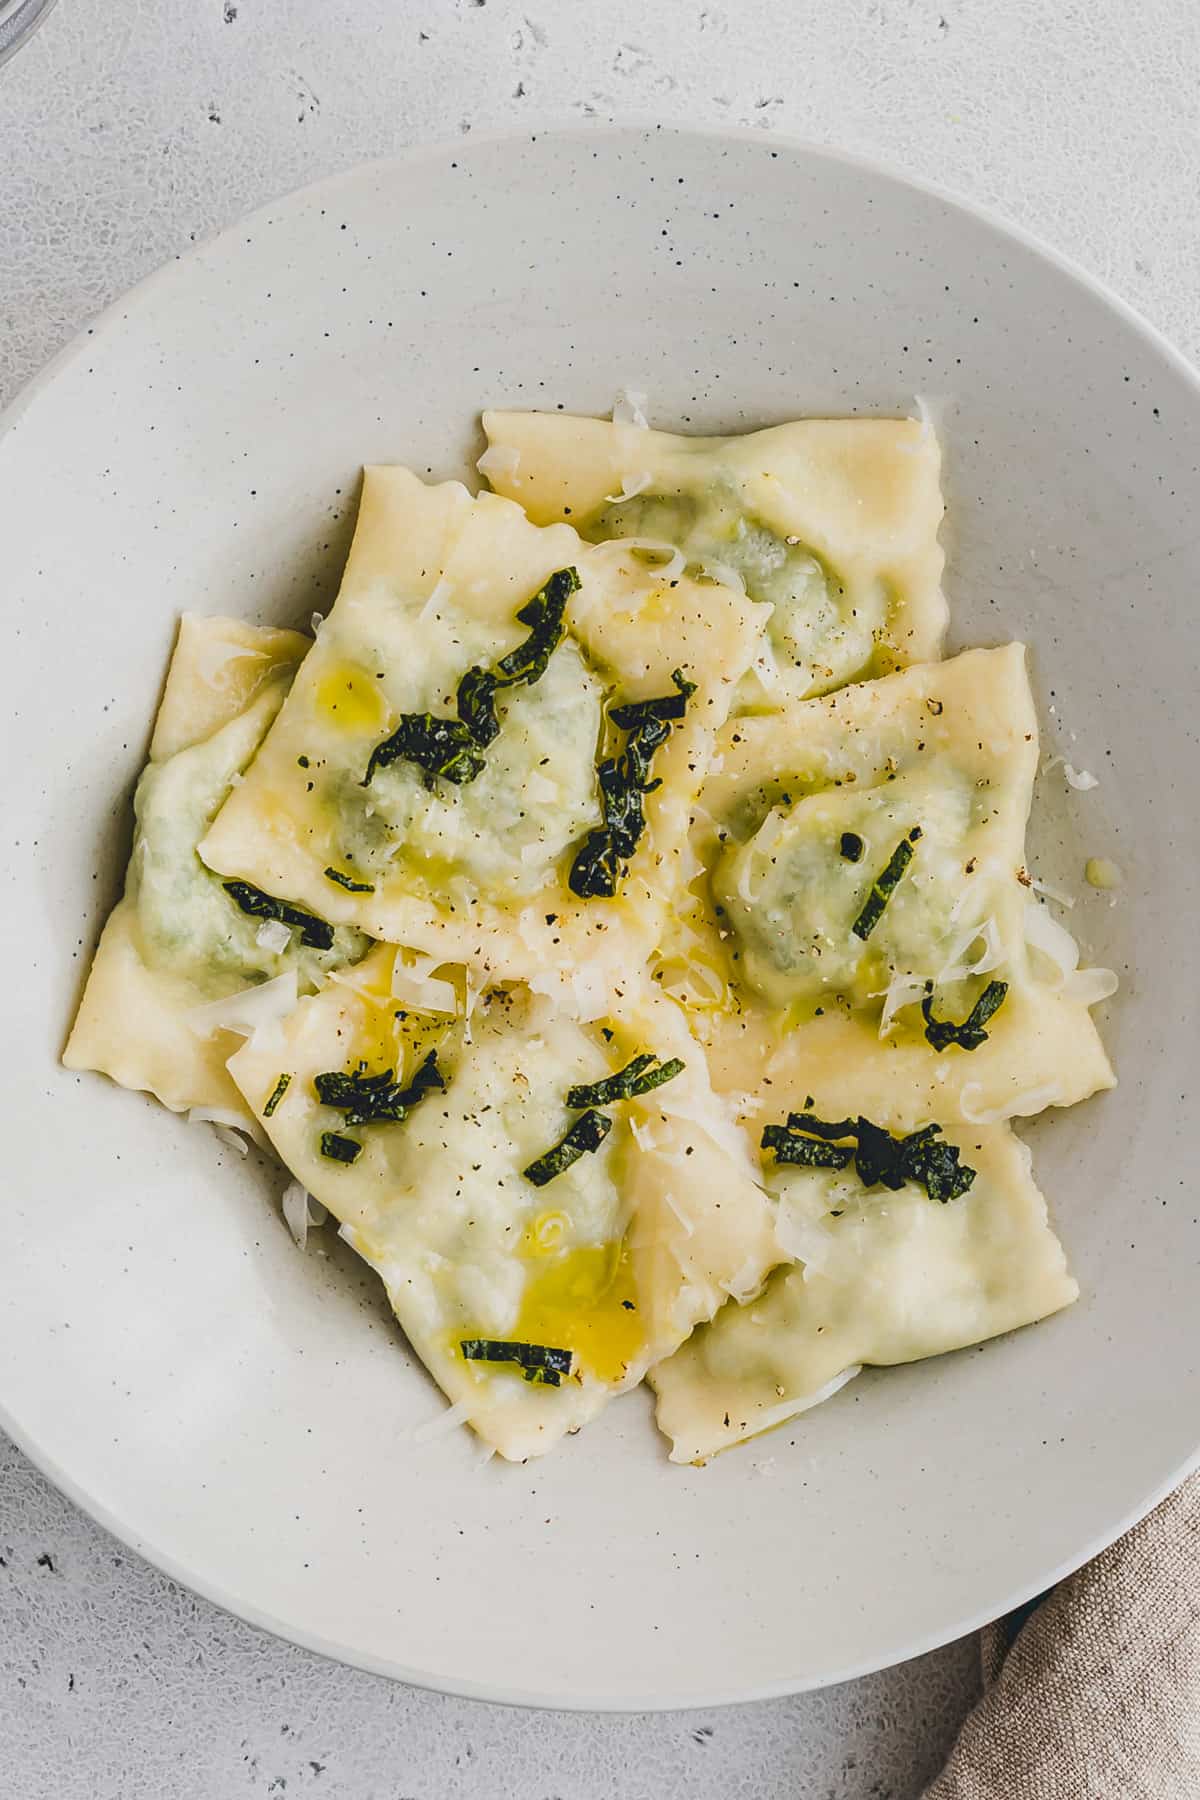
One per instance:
[(1090, 986), (438, 596), (227, 1124), (252, 1010), (1050, 940), (726, 574), (666, 561), (689, 1229), (414, 983), (790, 1409), (745, 1283), (300, 1211), (990, 957), (583, 993), (629, 409), (932, 410), (274, 935), (644, 1136), (901, 991), (631, 486), (442, 1423)]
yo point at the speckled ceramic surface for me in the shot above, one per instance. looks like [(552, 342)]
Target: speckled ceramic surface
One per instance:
[(239, 1412)]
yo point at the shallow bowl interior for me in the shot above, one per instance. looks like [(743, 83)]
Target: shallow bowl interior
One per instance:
[(241, 1413)]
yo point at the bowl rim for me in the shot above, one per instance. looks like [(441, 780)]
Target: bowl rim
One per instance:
[(22, 18), (164, 1560)]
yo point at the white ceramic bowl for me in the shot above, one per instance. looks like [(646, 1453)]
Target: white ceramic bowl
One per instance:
[(19, 19), (238, 1412)]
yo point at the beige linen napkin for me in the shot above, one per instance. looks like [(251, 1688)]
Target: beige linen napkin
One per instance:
[(1094, 1693)]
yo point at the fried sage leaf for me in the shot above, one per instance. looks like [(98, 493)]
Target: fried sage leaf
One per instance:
[(624, 779), (941, 1033), (453, 748), (640, 1076), (316, 933), (884, 885), (587, 1133), (537, 1362), (377, 1099), (880, 1158)]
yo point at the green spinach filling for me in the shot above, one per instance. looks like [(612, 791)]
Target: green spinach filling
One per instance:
[(812, 627)]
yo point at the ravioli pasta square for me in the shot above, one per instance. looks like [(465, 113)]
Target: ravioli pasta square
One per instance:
[(177, 949), (882, 1278), (832, 522), (375, 804), (530, 1304), (866, 932), (219, 666)]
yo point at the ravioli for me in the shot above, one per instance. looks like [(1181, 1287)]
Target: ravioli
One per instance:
[(866, 885), (218, 667), (477, 868), (603, 1269), (832, 522), (176, 940), (617, 918), (883, 1278)]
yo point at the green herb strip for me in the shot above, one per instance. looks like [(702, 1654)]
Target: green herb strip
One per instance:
[(440, 746), (941, 1033), (377, 1099), (453, 748), (316, 933), (884, 885), (348, 882), (338, 1148), (852, 846), (822, 1128), (586, 1134), (278, 1091), (600, 861), (637, 1077), (808, 1153), (537, 1362), (880, 1159)]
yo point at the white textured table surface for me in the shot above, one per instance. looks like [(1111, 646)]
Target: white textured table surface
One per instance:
[(126, 132)]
